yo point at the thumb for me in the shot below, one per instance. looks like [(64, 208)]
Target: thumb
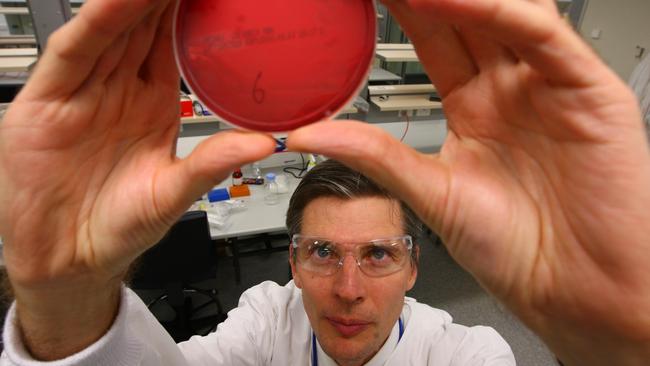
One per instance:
[(210, 163), (422, 181)]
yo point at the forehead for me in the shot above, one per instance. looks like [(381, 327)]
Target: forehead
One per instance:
[(352, 220)]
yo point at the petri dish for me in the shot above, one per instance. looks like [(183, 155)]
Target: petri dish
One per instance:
[(275, 65)]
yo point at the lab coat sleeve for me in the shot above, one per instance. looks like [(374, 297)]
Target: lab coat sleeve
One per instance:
[(137, 339), (120, 346), (482, 346)]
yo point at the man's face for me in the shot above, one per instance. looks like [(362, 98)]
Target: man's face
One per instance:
[(351, 313)]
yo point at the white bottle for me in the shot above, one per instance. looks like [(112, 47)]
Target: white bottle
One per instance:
[(271, 190)]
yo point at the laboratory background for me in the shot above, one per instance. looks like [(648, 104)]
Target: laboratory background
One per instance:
[(237, 229)]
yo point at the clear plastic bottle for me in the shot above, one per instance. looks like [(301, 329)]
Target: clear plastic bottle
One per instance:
[(257, 170), (271, 190), (283, 184)]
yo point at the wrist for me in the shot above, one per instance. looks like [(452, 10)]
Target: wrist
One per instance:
[(591, 345), (598, 352), (58, 321)]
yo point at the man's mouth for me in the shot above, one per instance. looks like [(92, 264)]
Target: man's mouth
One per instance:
[(348, 327)]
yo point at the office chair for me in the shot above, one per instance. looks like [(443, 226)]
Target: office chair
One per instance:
[(235, 244), (182, 259)]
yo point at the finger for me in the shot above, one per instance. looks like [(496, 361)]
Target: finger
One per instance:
[(439, 47), (540, 38), (210, 163), (486, 52), (420, 180), (549, 5), (74, 50), (109, 60), (140, 44), (161, 63)]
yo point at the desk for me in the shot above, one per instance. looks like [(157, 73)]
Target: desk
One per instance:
[(13, 78), (20, 10), (401, 89), (258, 217), (397, 55), (14, 10), (349, 109), (394, 46), (200, 119), (18, 52), (16, 64), (405, 103), (378, 74), (18, 41)]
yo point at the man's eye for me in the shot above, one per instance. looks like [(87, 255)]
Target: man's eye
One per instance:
[(321, 252), (378, 254)]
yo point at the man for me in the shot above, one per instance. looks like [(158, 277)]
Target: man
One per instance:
[(540, 191), (353, 294), (353, 258)]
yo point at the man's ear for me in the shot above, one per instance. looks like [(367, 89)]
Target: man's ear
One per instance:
[(414, 268), (294, 271)]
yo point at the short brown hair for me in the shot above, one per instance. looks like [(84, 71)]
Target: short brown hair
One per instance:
[(333, 179)]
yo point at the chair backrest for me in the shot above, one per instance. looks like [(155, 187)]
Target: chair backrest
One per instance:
[(186, 254)]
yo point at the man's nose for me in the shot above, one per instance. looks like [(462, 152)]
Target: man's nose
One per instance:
[(349, 282)]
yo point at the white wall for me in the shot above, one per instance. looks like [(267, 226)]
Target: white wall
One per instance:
[(624, 24)]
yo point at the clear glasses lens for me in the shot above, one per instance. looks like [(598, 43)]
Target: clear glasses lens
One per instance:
[(376, 258)]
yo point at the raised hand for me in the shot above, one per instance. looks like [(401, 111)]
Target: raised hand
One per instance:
[(542, 187), (88, 174)]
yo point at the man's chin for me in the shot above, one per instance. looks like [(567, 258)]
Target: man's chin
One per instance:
[(351, 350), (347, 357)]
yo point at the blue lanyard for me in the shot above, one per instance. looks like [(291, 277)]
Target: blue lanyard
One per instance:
[(314, 350)]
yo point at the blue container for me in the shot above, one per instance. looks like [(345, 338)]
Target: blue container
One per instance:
[(217, 195)]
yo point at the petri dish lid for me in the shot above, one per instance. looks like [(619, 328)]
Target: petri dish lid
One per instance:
[(275, 65)]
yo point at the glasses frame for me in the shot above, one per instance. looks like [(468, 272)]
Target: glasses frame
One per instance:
[(405, 238)]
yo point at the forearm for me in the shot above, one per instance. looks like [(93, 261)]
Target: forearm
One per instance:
[(58, 321)]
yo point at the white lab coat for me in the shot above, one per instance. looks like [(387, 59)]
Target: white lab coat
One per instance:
[(269, 327)]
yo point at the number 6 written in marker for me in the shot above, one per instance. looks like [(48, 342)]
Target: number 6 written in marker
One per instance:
[(258, 93)]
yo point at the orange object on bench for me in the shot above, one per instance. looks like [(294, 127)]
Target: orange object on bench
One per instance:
[(239, 191)]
